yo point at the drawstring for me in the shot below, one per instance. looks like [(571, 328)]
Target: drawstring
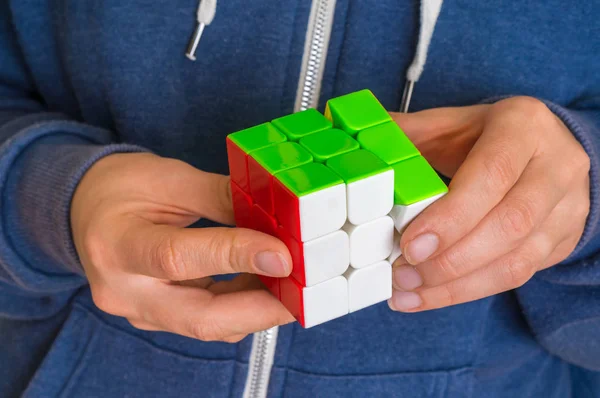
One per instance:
[(204, 16), (430, 9)]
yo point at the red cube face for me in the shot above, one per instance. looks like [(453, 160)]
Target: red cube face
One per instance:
[(297, 253), (238, 165), (287, 209), (272, 284), (291, 296), (242, 207), (263, 222), (261, 185)]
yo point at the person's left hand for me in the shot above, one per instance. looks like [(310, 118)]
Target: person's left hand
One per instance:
[(517, 203)]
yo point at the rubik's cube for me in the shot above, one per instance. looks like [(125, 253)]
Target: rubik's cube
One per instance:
[(338, 189)]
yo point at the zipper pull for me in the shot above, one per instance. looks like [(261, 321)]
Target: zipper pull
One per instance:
[(205, 14)]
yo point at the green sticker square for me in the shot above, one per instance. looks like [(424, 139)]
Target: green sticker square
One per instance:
[(281, 157), (308, 178), (388, 142), (356, 111), (328, 143), (301, 124), (415, 180), (257, 137), (357, 165)]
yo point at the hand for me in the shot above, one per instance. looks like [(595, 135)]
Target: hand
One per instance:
[(517, 203), (128, 217)]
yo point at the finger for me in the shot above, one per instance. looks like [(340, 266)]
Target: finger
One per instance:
[(141, 325), (526, 206), (203, 194), (178, 254), (200, 283), (235, 339), (205, 316), (431, 126), (490, 170), (508, 272), (571, 216)]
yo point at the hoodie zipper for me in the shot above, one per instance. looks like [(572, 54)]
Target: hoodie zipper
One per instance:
[(308, 93)]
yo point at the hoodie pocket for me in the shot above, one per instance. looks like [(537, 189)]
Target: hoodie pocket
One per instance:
[(92, 359), (456, 383)]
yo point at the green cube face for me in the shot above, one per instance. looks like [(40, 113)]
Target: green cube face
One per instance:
[(301, 124), (281, 157), (415, 180), (388, 142), (355, 112), (257, 137), (328, 143), (357, 165)]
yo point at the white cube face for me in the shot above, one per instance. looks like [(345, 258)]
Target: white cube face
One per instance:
[(368, 286), (322, 212), (403, 215), (326, 301), (326, 257), (396, 251), (370, 242), (370, 198)]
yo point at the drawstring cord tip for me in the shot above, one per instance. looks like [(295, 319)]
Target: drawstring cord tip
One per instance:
[(194, 41), (406, 96)]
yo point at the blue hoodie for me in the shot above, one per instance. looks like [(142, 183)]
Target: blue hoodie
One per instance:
[(83, 79)]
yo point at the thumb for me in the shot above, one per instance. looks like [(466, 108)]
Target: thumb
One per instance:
[(431, 124), (172, 253)]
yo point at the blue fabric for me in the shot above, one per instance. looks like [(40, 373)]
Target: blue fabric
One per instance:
[(83, 79)]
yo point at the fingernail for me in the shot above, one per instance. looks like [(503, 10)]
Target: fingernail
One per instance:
[(421, 247), (271, 263), (407, 278), (404, 301)]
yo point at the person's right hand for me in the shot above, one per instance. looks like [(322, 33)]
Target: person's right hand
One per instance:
[(128, 218)]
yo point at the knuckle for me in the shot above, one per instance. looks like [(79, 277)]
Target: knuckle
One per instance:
[(234, 339), (107, 302), (530, 107), (207, 330), (446, 267), (500, 169), (140, 325), (517, 272), (95, 249), (449, 296), (517, 219), (581, 160), (232, 246), (582, 209), (169, 259)]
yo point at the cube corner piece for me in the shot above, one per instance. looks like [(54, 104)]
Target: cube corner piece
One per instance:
[(240, 144), (356, 111), (301, 124), (310, 201)]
